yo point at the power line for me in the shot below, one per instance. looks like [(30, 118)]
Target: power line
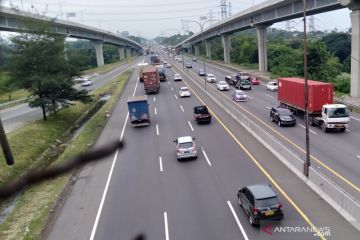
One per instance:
[(102, 5)]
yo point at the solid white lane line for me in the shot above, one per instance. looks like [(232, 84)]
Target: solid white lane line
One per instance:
[(93, 231), (269, 96), (161, 166), (192, 129), (175, 96), (268, 108), (154, 99), (103, 197), (237, 221), (155, 111), (169, 83), (182, 109), (135, 87), (172, 89), (157, 129), (166, 226), (251, 98), (357, 119), (206, 157)]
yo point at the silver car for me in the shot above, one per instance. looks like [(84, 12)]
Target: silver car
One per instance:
[(185, 147)]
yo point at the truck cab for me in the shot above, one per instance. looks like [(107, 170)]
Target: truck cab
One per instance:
[(334, 116), (243, 84)]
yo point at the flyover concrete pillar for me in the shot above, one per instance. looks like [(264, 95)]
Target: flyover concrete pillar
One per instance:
[(189, 49), (262, 49), (128, 52), (197, 50), (99, 53), (121, 53), (208, 49), (355, 53), (226, 46)]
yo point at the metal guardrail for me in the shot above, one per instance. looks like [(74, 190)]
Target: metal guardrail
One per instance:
[(340, 200)]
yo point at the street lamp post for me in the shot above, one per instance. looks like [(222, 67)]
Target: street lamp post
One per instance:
[(201, 25)]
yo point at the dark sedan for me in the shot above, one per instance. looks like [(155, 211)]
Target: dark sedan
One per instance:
[(283, 116)]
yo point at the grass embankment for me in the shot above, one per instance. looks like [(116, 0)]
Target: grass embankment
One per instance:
[(35, 205), (107, 67), (6, 94)]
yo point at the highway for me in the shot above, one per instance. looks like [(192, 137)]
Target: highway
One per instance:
[(144, 189), (332, 153), (19, 115)]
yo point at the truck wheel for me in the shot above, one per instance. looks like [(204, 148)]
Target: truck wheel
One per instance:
[(323, 127), (279, 123), (271, 119)]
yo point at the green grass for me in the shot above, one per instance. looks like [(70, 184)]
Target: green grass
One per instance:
[(107, 67), (34, 206)]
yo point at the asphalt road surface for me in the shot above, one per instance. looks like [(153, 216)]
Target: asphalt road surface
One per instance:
[(144, 189)]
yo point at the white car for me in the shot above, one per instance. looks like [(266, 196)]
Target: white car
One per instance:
[(168, 65), (222, 85), (210, 78), (184, 92), (177, 77), (86, 83), (272, 86), (185, 147)]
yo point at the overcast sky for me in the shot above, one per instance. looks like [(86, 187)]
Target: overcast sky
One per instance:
[(159, 17)]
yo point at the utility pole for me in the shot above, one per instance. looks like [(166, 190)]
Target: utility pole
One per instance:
[(211, 19), (307, 139), (229, 7), (223, 9)]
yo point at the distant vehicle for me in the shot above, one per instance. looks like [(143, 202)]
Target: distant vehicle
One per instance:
[(201, 72), (260, 203), (185, 147), (165, 62), (80, 79), (322, 111), (194, 59), (242, 75), (177, 77), (272, 86), (201, 114), (151, 80), (168, 65), (210, 78), (161, 71), (254, 81), (171, 55), (184, 92), (239, 96), (243, 84), (180, 59), (283, 116), (154, 60), (222, 86), (231, 79), (86, 83), (138, 111), (188, 65), (141, 67)]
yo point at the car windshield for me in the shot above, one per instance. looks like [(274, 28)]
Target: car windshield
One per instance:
[(273, 84), (284, 112), (245, 81), (202, 109), (184, 89), (210, 75), (266, 202), (240, 94), (222, 83), (338, 112), (185, 145)]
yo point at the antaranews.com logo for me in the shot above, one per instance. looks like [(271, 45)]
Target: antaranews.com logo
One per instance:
[(317, 231)]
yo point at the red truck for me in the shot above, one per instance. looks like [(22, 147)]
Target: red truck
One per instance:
[(322, 111), (151, 80)]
